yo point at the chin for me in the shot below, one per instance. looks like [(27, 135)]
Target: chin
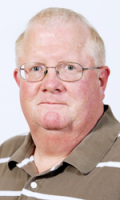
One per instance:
[(53, 121)]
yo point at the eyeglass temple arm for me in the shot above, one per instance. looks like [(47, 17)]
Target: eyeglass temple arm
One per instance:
[(92, 68)]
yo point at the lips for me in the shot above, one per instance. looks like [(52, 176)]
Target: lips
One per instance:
[(53, 103)]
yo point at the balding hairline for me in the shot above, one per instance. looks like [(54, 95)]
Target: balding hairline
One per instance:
[(54, 17)]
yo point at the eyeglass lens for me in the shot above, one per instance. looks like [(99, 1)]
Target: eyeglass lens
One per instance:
[(65, 71)]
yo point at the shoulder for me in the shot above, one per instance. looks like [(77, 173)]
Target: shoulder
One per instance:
[(10, 146)]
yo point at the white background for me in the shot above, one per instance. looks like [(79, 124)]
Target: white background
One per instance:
[(104, 15)]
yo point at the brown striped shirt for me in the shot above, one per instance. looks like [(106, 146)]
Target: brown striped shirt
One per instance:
[(90, 172)]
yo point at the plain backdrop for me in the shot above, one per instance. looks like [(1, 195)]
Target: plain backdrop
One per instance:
[(104, 15)]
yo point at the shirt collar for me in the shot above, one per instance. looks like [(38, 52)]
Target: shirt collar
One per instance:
[(25, 151), (88, 153), (92, 149)]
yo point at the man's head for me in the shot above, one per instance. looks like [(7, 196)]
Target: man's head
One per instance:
[(54, 17), (52, 37)]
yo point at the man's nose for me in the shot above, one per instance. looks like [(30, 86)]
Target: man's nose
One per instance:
[(51, 82)]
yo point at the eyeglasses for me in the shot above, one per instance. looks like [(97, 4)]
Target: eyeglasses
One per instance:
[(66, 71)]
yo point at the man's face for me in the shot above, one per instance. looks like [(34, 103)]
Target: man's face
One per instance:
[(52, 103)]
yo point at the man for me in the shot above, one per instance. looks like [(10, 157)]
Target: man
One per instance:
[(72, 150)]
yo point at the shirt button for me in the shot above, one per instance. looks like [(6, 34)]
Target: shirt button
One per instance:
[(33, 185)]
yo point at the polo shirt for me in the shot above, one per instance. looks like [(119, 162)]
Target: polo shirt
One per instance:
[(90, 172)]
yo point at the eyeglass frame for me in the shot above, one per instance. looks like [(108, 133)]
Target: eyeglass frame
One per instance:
[(46, 71)]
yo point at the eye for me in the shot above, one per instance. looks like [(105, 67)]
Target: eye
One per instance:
[(69, 67), (36, 68)]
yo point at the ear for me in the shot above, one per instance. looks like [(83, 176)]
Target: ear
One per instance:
[(103, 79), (17, 76)]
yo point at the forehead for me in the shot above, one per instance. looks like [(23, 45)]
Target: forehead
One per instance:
[(57, 40), (74, 32)]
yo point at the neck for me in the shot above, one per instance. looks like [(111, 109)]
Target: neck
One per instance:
[(52, 147), (44, 163)]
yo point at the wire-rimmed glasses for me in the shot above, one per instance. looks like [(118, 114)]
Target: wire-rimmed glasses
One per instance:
[(66, 71)]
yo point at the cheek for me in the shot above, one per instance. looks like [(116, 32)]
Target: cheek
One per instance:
[(86, 92), (80, 90), (28, 90)]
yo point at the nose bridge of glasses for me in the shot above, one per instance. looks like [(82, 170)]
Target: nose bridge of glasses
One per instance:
[(47, 70), (53, 67)]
